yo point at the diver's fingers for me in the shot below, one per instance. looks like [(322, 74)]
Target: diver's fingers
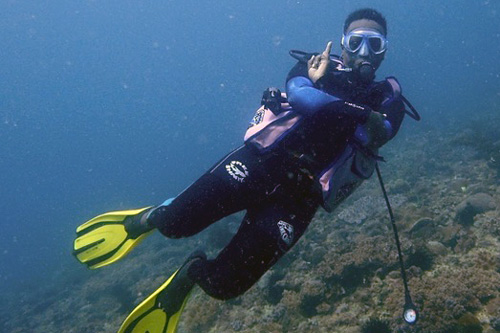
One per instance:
[(326, 52), (317, 61), (310, 62), (314, 61)]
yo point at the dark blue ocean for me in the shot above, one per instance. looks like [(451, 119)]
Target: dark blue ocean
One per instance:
[(108, 104)]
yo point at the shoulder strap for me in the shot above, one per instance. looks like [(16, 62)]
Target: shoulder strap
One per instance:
[(397, 93), (394, 86)]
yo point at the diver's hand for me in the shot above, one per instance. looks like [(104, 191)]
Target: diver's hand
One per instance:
[(375, 129), (318, 65)]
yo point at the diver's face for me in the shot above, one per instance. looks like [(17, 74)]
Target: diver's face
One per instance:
[(364, 54)]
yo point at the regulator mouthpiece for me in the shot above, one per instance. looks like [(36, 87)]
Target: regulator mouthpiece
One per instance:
[(366, 71), (410, 315)]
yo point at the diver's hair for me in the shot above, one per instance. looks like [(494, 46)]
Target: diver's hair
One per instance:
[(367, 14)]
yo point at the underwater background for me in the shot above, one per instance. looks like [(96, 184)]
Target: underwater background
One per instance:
[(109, 105)]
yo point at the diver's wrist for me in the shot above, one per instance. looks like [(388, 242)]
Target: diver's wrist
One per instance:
[(320, 83)]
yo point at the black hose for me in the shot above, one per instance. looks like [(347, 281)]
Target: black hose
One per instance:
[(413, 114), (409, 308)]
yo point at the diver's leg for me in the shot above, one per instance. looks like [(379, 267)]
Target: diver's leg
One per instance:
[(265, 235), (234, 183)]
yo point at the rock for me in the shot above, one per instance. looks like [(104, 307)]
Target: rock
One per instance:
[(437, 248), (495, 323), (469, 323), (264, 281), (414, 271), (465, 242), (399, 186), (449, 235), (473, 205), (313, 288), (482, 202), (343, 307), (312, 294), (237, 325), (315, 255), (423, 228), (323, 308)]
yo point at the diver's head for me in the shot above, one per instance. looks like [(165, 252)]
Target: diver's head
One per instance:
[(364, 42)]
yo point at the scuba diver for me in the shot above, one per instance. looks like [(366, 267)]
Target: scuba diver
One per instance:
[(310, 147)]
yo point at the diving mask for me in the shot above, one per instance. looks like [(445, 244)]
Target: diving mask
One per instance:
[(359, 39)]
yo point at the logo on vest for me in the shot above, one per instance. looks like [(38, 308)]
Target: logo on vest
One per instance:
[(286, 231), (237, 170), (354, 105), (257, 118)]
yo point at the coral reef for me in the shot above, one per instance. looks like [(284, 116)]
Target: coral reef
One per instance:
[(342, 276)]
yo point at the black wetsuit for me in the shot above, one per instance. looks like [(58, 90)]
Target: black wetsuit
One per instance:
[(278, 191), (279, 206)]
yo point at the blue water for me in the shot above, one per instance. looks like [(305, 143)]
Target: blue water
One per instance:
[(119, 104)]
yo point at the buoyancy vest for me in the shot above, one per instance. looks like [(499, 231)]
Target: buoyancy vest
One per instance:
[(347, 171), (267, 128)]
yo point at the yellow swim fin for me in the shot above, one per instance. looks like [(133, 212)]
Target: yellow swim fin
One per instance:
[(109, 237), (161, 311)]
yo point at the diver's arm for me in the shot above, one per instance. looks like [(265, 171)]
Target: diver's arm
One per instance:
[(305, 98)]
